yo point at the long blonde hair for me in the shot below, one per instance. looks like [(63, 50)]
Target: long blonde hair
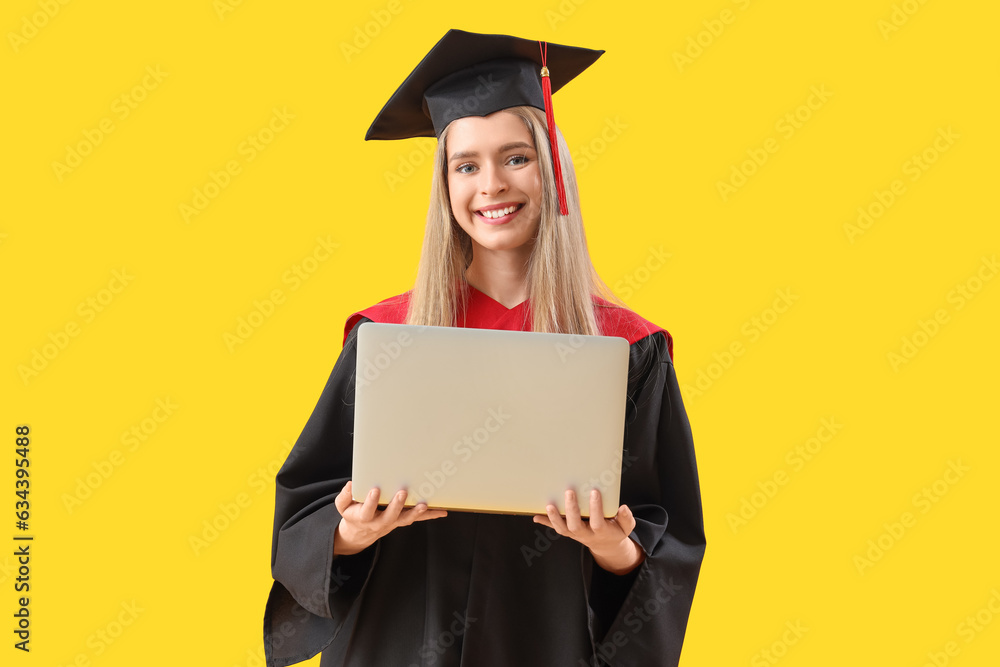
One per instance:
[(561, 278)]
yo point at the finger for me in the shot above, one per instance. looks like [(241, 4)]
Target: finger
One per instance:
[(415, 514), (370, 505), (391, 512), (597, 522), (418, 512), (409, 514), (625, 520), (555, 519), (573, 521), (542, 519), (344, 498)]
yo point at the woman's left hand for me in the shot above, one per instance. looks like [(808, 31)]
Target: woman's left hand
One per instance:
[(607, 539)]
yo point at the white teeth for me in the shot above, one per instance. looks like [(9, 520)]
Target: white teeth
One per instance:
[(499, 213)]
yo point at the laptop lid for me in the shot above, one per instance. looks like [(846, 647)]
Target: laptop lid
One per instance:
[(487, 420)]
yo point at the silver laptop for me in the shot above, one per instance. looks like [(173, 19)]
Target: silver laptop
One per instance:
[(488, 421)]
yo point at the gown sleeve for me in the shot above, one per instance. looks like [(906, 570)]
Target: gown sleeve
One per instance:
[(641, 618), (313, 596)]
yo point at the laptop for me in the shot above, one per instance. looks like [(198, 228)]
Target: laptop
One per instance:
[(484, 420)]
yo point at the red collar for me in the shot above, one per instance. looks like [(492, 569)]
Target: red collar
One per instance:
[(484, 312)]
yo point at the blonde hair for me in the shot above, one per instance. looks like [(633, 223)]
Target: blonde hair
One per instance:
[(561, 278)]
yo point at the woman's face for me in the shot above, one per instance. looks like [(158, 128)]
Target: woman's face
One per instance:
[(494, 182)]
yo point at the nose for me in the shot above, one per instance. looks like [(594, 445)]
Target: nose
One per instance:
[(492, 180)]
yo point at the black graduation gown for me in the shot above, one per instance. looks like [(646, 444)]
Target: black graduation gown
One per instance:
[(485, 590)]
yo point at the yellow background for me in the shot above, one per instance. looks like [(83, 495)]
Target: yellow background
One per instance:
[(662, 133)]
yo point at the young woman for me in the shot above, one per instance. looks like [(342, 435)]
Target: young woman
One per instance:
[(504, 248)]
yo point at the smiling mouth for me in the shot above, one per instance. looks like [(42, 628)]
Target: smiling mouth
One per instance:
[(495, 213)]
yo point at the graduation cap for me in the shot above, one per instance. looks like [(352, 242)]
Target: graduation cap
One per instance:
[(472, 74)]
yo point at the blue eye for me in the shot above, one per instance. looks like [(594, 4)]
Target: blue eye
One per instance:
[(518, 160), (466, 168)]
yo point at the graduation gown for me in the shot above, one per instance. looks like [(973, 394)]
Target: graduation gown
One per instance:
[(488, 590)]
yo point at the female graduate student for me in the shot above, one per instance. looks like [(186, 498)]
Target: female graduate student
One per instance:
[(504, 249)]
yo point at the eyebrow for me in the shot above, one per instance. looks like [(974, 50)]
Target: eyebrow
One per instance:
[(461, 155)]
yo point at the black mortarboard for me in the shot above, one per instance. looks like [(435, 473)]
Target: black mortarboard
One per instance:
[(471, 74)]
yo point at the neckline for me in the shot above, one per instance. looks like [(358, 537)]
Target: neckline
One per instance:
[(486, 296)]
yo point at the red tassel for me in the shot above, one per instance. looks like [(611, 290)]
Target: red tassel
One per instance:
[(550, 120)]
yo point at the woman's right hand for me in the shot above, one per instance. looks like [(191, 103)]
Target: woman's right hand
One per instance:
[(363, 523)]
